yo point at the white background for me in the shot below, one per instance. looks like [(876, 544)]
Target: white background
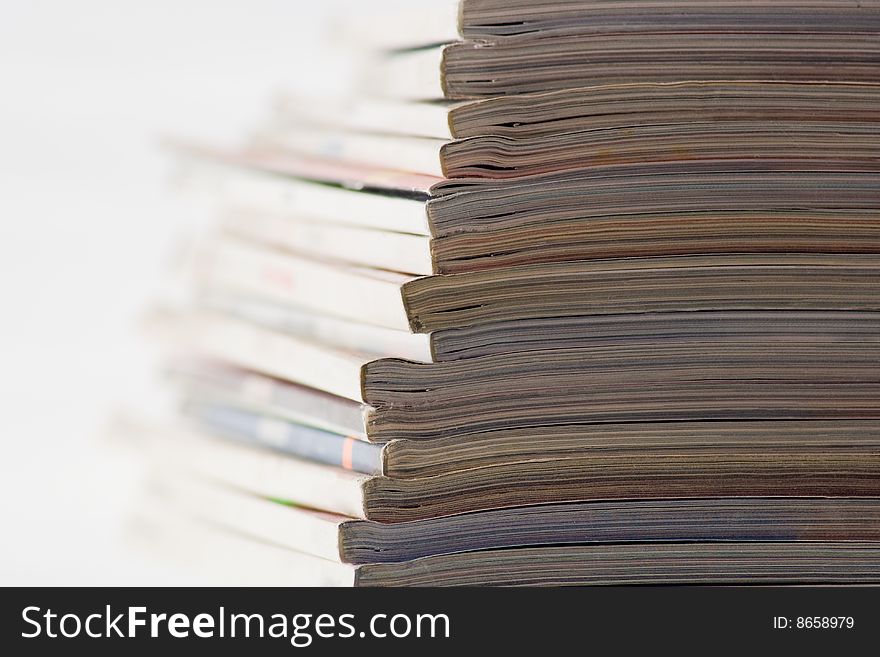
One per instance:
[(87, 227)]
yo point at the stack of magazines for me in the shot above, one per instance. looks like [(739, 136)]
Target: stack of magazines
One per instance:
[(566, 292)]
